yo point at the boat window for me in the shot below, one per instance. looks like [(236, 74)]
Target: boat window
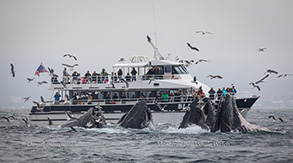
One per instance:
[(168, 69), (179, 70)]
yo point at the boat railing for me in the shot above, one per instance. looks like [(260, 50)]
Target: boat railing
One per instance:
[(150, 100), (106, 79)]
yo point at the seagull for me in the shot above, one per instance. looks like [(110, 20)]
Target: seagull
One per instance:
[(70, 56), (25, 119), (42, 100), (285, 75), (30, 79), (201, 60), (70, 66), (195, 80), (176, 58), (51, 71), (261, 49), (280, 119), (124, 81), (274, 118), (70, 117), (188, 63), (27, 99), (39, 107), (272, 71), (262, 80), (192, 47), (12, 71), (5, 118), (50, 121), (42, 82), (63, 84), (150, 80), (149, 39), (121, 60), (215, 76), (254, 85), (72, 129), (204, 32), (160, 107)]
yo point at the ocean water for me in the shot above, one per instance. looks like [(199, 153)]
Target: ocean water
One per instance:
[(162, 142)]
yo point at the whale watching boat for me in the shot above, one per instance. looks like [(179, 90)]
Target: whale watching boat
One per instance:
[(166, 86)]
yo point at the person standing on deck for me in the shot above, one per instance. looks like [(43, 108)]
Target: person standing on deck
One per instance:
[(212, 93), (133, 73)]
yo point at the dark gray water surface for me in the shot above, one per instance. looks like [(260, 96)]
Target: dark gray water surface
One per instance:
[(161, 142)]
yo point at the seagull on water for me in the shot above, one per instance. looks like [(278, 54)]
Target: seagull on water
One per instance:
[(12, 71), (70, 56), (26, 121), (192, 47)]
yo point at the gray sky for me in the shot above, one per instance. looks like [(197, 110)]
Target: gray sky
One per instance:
[(100, 32)]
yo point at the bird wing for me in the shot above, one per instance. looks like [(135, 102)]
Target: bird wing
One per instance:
[(192, 47), (38, 105), (74, 65), (149, 39), (74, 57), (66, 65)]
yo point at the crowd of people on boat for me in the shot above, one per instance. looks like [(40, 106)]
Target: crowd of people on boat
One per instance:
[(221, 92), (160, 96), (102, 77)]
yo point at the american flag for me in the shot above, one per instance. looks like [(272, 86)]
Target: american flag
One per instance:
[(40, 69)]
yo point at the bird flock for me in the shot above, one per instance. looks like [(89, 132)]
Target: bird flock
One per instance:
[(39, 83)]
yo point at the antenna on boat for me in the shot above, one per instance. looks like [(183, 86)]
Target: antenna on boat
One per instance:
[(157, 54)]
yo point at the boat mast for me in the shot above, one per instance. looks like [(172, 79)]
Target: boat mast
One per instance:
[(157, 55)]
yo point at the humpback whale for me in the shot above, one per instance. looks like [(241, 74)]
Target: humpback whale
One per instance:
[(225, 118), (90, 119), (139, 116)]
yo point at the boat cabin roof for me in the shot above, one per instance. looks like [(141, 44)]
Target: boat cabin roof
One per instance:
[(146, 64)]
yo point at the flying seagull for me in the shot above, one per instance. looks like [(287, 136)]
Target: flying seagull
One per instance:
[(39, 107), (70, 66), (150, 80), (7, 119), (261, 49), (201, 60), (26, 121), (195, 80), (30, 79), (254, 86), (192, 47), (272, 71), (51, 71), (42, 82), (124, 81), (121, 60), (12, 71), (273, 117), (70, 56), (215, 76), (285, 75), (204, 32), (262, 80), (27, 99)]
